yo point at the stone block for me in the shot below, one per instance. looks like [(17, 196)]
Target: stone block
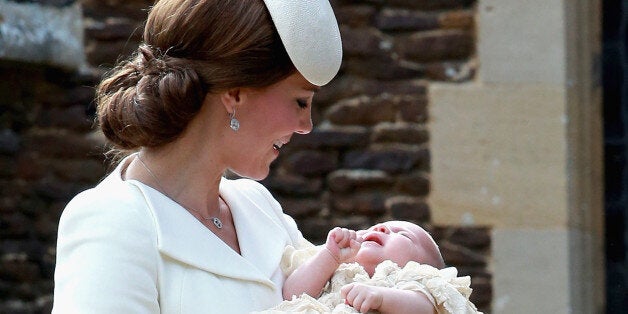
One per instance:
[(9, 142), (457, 255), (459, 19), (435, 45), (364, 42), (385, 68), (392, 159), (408, 208), (360, 203), (430, 4), (347, 181), (355, 15), (301, 208), (55, 143), (113, 28), (333, 137), (349, 86), (403, 20), (77, 170), (405, 133), (362, 111), (311, 163), (107, 53), (414, 183), (42, 32), (289, 184), (73, 118), (451, 71)]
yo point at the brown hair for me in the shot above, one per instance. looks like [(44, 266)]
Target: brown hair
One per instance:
[(191, 48)]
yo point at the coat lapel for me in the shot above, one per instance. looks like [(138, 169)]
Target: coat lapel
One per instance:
[(183, 238), (261, 232)]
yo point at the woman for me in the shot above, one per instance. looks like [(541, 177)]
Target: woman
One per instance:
[(217, 85)]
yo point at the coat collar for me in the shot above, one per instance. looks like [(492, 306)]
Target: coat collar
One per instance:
[(182, 237)]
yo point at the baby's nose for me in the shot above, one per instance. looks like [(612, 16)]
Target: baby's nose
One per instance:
[(382, 228)]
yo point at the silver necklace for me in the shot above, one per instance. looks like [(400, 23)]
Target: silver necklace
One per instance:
[(217, 222)]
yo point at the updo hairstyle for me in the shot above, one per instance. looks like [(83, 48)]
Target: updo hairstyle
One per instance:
[(191, 48)]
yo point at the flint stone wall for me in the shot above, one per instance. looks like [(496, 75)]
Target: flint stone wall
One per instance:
[(366, 160)]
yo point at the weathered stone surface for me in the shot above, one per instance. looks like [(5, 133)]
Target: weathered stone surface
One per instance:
[(394, 159), (289, 184), (349, 86), (415, 183), (435, 45), (364, 42), (461, 19), (333, 137), (346, 181), (108, 53), (406, 20), (42, 33), (355, 15), (457, 255), (113, 28), (362, 203), (430, 4), (408, 133), (77, 170), (470, 237), (363, 111), (385, 68), (60, 144), (301, 207), (9, 142), (72, 118), (451, 71), (413, 109), (311, 163), (408, 208)]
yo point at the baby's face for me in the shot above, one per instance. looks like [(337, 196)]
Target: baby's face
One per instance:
[(398, 241)]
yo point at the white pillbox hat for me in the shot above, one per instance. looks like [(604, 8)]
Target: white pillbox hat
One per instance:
[(309, 32)]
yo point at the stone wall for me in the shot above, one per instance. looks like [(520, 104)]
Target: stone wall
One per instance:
[(366, 160)]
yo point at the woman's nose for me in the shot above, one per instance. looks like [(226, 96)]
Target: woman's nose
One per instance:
[(305, 123)]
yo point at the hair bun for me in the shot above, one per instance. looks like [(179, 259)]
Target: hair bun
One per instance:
[(149, 99)]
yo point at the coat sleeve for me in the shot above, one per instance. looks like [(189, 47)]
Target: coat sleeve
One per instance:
[(106, 256)]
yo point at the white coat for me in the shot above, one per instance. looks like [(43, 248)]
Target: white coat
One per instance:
[(123, 247)]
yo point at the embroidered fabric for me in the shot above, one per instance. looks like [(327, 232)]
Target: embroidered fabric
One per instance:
[(448, 292)]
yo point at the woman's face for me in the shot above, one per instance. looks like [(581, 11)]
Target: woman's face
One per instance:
[(268, 118), (397, 241)]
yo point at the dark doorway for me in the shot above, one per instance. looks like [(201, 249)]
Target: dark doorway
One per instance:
[(615, 89)]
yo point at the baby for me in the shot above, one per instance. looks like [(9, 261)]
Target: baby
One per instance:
[(392, 267)]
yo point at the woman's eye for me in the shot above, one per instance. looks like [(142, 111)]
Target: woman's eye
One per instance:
[(302, 103)]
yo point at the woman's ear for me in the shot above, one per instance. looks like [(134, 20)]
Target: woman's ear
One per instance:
[(230, 99)]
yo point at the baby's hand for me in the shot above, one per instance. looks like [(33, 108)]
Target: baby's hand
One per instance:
[(342, 243), (362, 297)]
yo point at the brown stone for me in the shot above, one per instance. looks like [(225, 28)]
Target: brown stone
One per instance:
[(416, 183), (461, 19), (435, 45), (101, 53), (412, 109), (408, 133), (430, 4), (311, 163), (355, 15), (457, 255), (471, 237), (301, 207), (364, 42), (361, 111), (333, 137), (114, 28), (77, 170), (385, 68), (451, 71), (345, 181), (293, 185), (350, 86), (406, 20), (361, 203), (408, 208), (55, 143), (19, 271), (392, 159), (482, 294), (73, 118)]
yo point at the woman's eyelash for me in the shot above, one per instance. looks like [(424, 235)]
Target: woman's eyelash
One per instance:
[(302, 103)]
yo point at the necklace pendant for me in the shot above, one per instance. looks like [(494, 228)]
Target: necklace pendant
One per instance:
[(217, 222)]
